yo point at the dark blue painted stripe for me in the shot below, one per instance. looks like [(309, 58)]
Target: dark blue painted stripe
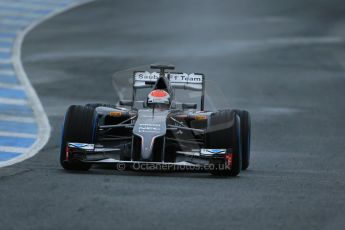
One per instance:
[(43, 12), (5, 55), (6, 66), (9, 79), (22, 17), (17, 141), (18, 127), (15, 110), (14, 27), (5, 33), (6, 156), (13, 93), (6, 44), (8, 34)]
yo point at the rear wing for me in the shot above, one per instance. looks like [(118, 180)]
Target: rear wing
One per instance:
[(192, 81)]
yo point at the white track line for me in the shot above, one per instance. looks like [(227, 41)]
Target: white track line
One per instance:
[(11, 149), (24, 5), (15, 22), (7, 72), (10, 86), (14, 134), (11, 101), (41, 117), (17, 119), (52, 3)]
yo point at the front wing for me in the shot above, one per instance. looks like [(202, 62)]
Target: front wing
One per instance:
[(195, 160)]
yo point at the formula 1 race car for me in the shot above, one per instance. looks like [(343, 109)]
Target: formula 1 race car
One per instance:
[(159, 132)]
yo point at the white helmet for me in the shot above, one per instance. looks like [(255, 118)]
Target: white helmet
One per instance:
[(158, 98)]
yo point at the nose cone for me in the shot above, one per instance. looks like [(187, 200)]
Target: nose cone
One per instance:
[(147, 144), (149, 127)]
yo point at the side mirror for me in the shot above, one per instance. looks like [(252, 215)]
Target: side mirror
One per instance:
[(189, 106), (126, 102)]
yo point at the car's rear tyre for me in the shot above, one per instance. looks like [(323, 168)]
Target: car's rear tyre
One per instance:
[(245, 135), (79, 126), (223, 132)]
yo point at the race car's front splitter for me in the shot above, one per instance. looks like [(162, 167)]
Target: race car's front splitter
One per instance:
[(159, 166)]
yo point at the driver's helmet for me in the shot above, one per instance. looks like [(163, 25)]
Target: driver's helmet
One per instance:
[(158, 98)]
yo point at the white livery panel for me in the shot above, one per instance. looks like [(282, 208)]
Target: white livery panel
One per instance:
[(177, 80)]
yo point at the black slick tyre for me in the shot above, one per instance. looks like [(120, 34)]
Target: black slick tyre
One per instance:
[(224, 132), (79, 127), (245, 135)]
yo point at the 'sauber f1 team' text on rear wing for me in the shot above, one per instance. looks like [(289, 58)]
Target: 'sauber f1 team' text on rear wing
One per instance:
[(192, 81)]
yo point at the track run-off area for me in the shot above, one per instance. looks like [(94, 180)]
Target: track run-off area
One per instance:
[(24, 127)]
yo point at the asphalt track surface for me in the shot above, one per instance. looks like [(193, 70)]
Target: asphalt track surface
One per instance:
[(281, 60)]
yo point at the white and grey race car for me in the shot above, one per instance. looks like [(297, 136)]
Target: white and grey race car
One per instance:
[(159, 132)]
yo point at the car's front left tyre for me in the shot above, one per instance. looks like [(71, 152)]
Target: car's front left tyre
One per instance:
[(245, 136), (224, 132), (79, 127)]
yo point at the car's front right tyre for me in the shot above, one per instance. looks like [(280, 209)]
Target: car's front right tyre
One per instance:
[(79, 127)]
